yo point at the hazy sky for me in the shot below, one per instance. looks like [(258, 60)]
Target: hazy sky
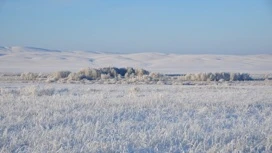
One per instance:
[(177, 26)]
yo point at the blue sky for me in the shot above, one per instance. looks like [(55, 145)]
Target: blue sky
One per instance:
[(176, 26)]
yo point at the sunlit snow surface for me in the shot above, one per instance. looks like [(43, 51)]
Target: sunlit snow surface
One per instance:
[(136, 118), (91, 117), (29, 59)]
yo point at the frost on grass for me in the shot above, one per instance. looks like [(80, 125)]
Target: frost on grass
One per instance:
[(138, 118), (37, 91)]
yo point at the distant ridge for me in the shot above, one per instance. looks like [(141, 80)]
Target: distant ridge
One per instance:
[(38, 49), (41, 49), (28, 49), (31, 49), (3, 48)]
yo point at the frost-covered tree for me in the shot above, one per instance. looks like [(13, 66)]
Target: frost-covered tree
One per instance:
[(105, 76), (111, 71), (245, 76), (60, 74), (29, 76), (210, 77), (234, 76), (89, 74), (217, 76), (141, 72), (130, 72), (75, 76)]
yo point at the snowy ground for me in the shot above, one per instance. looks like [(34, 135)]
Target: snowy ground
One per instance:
[(21, 59), (36, 117), (89, 116)]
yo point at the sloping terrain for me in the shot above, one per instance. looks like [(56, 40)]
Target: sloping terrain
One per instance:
[(22, 59)]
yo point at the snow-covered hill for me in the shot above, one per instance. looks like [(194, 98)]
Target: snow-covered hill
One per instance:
[(21, 59)]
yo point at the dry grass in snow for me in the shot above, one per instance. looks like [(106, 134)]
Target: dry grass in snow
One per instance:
[(142, 118)]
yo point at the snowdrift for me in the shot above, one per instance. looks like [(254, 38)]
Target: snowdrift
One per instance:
[(31, 59)]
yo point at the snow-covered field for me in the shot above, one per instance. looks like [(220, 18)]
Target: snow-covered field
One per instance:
[(136, 118), (131, 115), (21, 59)]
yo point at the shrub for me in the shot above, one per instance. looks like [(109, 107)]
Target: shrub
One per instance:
[(60, 74), (225, 76), (130, 72), (234, 76), (37, 91), (89, 74), (111, 71), (75, 77), (217, 76), (155, 75), (122, 71), (245, 76), (210, 77), (28, 76), (105, 76), (141, 72)]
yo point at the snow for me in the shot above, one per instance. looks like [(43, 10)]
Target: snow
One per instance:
[(30, 59), (134, 114), (38, 117)]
